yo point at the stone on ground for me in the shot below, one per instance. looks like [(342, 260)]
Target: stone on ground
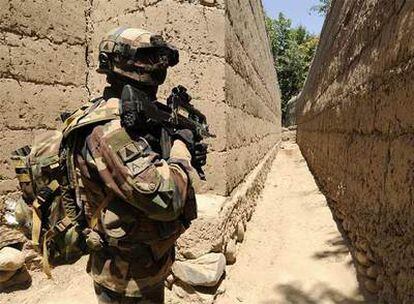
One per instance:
[(11, 259), (204, 271), (6, 275), (231, 251), (10, 236), (20, 280), (240, 232)]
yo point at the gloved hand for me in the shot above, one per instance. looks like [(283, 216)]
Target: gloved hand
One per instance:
[(185, 136), (46, 195), (199, 158), (198, 150)]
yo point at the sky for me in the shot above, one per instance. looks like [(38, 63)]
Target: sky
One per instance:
[(297, 11)]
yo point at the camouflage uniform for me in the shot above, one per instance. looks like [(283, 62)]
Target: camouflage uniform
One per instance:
[(111, 184), (133, 199)]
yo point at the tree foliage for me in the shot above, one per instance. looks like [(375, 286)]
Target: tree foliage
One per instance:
[(293, 50), (322, 8)]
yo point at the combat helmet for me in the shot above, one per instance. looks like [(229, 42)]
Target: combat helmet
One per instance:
[(136, 54)]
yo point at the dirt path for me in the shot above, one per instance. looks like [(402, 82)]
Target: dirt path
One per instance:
[(293, 252), (70, 285)]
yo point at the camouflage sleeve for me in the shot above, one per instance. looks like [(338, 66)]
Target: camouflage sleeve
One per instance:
[(131, 170)]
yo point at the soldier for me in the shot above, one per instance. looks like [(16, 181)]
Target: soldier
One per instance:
[(106, 181), (136, 203)]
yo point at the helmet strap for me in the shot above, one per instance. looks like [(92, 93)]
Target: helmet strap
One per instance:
[(118, 82)]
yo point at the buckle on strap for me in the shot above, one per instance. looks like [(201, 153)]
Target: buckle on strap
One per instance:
[(47, 193), (63, 224)]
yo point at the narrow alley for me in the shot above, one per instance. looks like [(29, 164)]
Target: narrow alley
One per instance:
[(293, 252)]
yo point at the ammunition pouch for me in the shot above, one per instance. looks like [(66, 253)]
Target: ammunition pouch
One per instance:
[(137, 236), (133, 250), (47, 194), (23, 174)]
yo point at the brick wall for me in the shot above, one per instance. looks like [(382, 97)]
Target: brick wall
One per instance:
[(355, 128)]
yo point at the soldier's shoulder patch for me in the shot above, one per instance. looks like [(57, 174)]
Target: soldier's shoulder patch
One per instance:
[(129, 152), (139, 165), (133, 149)]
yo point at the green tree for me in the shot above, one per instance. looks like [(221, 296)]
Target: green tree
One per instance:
[(293, 50), (322, 8)]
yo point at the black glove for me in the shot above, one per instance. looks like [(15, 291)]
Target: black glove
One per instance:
[(46, 195), (186, 136), (198, 150), (199, 157)]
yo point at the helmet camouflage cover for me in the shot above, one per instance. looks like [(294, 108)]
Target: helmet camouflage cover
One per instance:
[(136, 54)]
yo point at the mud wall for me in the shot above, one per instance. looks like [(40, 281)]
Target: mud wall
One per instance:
[(252, 100), (355, 128), (48, 57), (42, 71)]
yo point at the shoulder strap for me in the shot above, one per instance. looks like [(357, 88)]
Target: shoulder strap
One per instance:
[(91, 114), (37, 214), (97, 111)]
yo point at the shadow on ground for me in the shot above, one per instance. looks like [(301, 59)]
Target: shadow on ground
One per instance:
[(292, 294), (339, 249)]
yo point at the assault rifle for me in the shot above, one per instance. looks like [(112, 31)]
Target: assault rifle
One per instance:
[(137, 110)]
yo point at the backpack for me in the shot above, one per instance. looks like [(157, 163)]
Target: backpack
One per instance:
[(56, 219), (48, 181)]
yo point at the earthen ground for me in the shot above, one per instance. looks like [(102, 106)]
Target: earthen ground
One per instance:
[(293, 251), (70, 285)]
